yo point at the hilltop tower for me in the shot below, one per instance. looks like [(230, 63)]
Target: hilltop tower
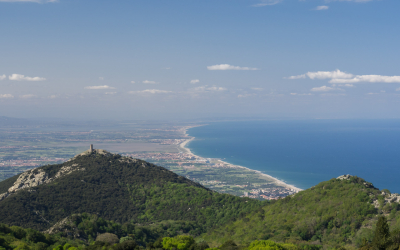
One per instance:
[(91, 148)]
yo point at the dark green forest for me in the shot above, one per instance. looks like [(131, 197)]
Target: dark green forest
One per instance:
[(123, 191)]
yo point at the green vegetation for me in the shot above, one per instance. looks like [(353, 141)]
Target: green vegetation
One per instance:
[(333, 213), (121, 190), (118, 203), (16, 238)]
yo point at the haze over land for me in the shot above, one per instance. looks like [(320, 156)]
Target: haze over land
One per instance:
[(196, 59)]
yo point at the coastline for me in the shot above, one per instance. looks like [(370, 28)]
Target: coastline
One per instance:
[(183, 147)]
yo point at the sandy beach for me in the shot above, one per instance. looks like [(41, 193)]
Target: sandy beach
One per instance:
[(264, 176)]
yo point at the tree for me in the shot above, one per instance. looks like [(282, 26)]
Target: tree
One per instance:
[(381, 238), (180, 242), (108, 237)]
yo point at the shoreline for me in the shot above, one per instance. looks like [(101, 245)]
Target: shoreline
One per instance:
[(259, 173)]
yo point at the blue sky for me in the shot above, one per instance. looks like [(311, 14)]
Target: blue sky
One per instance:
[(195, 59)]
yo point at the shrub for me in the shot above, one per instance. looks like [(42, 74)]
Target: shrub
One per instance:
[(265, 245), (229, 245), (18, 232), (108, 237), (180, 242), (123, 239)]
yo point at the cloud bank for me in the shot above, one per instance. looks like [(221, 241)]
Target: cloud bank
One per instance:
[(322, 89), (3, 77), (18, 77), (355, 1), (27, 96), (99, 87), (149, 82), (322, 7), (267, 3), (194, 81), (6, 96), (150, 91), (228, 67), (206, 88), (340, 77)]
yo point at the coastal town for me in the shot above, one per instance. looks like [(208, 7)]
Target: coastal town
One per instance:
[(217, 174)]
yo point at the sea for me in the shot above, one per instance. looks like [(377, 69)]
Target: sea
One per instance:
[(306, 152)]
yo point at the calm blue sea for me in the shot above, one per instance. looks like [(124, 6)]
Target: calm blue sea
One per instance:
[(304, 153)]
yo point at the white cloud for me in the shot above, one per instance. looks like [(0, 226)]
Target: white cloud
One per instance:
[(101, 78), (328, 74), (111, 93), (347, 85), (29, 1), (53, 97), (133, 82), (322, 7), (244, 95), (341, 77), (368, 78), (322, 89), (149, 82), (216, 89), (301, 94), (150, 91), (356, 1), (296, 77), (99, 87), (6, 96), (3, 77), (322, 75), (257, 89), (228, 67), (206, 88), (27, 96), (18, 77), (267, 3), (194, 81)]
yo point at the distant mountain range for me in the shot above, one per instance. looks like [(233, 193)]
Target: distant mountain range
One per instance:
[(97, 192)]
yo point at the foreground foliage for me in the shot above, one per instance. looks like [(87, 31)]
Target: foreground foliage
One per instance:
[(18, 238), (332, 213)]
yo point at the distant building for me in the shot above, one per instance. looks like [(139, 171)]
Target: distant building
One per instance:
[(91, 148)]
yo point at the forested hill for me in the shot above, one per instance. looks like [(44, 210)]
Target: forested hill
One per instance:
[(333, 213), (115, 188)]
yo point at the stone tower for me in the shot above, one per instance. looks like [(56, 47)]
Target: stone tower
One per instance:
[(91, 148)]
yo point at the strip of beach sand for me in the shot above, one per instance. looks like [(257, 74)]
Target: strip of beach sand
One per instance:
[(262, 176)]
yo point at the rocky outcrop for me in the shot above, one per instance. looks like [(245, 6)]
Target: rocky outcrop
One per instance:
[(67, 228), (348, 177), (28, 179), (344, 177), (388, 198), (36, 177)]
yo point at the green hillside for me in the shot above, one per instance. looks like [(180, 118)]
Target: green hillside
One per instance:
[(333, 213), (114, 188)]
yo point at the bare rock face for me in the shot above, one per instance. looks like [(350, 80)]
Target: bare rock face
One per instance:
[(28, 179), (344, 177), (36, 177), (67, 228)]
